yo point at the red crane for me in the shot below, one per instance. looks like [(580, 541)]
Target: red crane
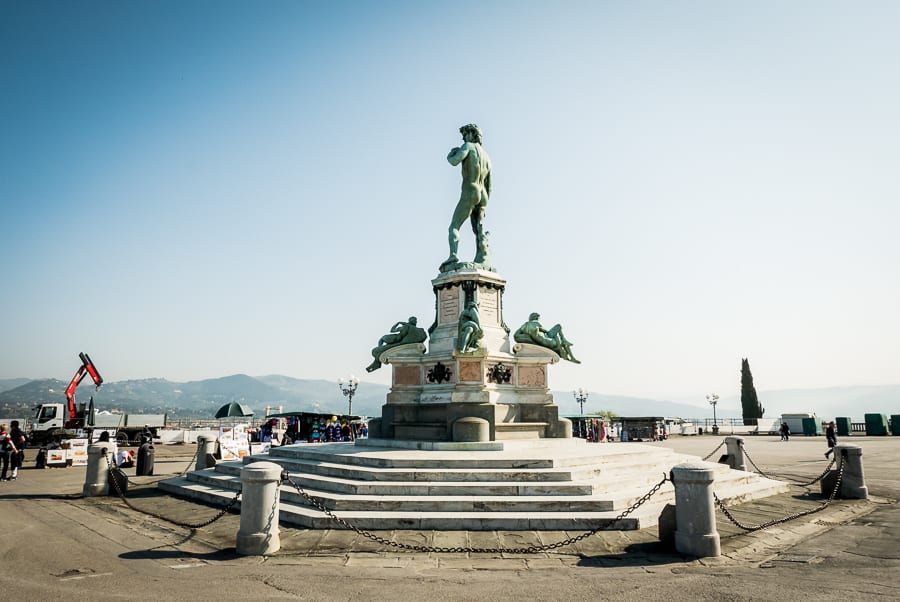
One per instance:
[(86, 367)]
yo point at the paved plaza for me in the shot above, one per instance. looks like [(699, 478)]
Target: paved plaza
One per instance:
[(60, 545)]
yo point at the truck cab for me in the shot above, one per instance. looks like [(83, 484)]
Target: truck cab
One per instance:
[(47, 417)]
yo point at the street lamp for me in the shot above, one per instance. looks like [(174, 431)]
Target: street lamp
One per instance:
[(580, 396), (713, 399), (349, 391)]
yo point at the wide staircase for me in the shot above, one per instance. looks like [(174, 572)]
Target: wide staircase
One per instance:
[(544, 484)]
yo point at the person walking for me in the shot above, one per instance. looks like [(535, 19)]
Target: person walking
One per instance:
[(830, 438), (785, 432), (7, 449), (19, 441)]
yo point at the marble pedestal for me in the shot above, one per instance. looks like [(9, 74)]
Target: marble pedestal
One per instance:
[(503, 383)]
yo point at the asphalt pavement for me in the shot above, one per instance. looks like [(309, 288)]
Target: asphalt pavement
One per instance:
[(58, 544)]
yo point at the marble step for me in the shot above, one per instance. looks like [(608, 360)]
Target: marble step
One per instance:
[(312, 518), (512, 485), (360, 487), (338, 493), (220, 489), (345, 453), (519, 474), (368, 481)]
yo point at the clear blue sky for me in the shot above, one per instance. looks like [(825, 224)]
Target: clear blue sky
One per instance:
[(195, 189)]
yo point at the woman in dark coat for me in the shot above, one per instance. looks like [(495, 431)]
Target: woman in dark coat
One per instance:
[(830, 438)]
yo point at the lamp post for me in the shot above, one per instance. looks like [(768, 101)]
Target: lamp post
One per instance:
[(580, 396), (713, 399), (349, 391)]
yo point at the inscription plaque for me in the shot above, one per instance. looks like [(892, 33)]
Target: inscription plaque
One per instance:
[(470, 371), (488, 309), (407, 375), (532, 376), (448, 303)]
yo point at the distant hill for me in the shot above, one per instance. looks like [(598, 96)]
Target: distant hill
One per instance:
[(307, 395), (201, 399), (198, 399), (632, 406), (7, 384)]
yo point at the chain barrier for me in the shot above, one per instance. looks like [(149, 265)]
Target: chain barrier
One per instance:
[(179, 523), (712, 453), (317, 503), (792, 482), (785, 519), (154, 481)]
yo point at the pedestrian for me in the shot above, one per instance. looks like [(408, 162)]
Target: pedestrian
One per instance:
[(20, 440), (830, 438), (125, 459), (121, 457), (7, 449), (785, 431)]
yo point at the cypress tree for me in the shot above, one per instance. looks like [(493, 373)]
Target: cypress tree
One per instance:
[(751, 409)]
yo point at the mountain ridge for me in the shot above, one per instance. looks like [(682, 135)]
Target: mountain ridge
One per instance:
[(201, 398)]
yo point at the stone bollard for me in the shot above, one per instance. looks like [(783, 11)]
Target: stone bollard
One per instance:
[(471, 429), (735, 448), (96, 478), (695, 510), (564, 428), (375, 428), (206, 448), (259, 533), (853, 482)]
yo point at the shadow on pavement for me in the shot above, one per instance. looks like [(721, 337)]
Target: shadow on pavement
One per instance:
[(637, 554), (156, 554)]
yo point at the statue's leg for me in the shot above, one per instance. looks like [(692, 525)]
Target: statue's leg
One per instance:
[(481, 247), (376, 364), (453, 239), (565, 346), (555, 333), (459, 216), (463, 339)]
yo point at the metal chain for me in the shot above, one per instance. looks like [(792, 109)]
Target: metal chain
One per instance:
[(179, 523), (798, 484), (317, 503), (710, 454), (777, 521), (180, 474)]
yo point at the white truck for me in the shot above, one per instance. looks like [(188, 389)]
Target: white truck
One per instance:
[(50, 422)]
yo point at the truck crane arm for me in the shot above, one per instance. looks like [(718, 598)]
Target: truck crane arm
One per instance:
[(86, 367)]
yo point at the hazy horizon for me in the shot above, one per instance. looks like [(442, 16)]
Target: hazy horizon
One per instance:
[(207, 188)]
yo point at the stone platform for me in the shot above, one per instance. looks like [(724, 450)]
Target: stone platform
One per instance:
[(550, 484)]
